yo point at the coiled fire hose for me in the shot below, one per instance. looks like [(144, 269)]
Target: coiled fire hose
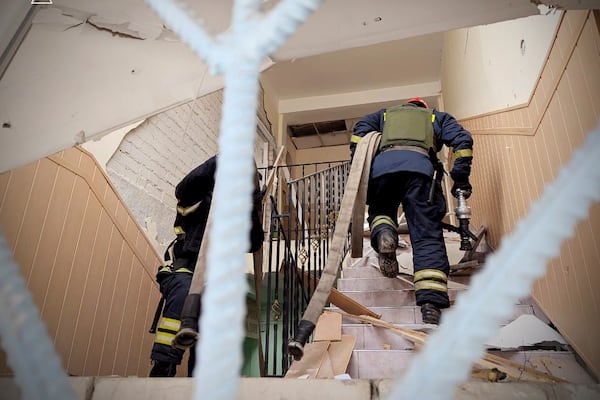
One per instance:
[(359, 176)]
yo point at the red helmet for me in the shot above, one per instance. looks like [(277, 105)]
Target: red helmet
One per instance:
[(417, 101)]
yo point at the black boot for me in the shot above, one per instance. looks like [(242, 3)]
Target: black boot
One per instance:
[(387, 243), (431, 314), (163, 369)]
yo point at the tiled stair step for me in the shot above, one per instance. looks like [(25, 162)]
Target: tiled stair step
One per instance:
[(377, 338), (412, 314), (394, 315), (390, 364), (562, 364), (366, 271), (369, 271), (375, 283), (401, 297), (388, 298), (378, 364), (382, 283), (369, 337)]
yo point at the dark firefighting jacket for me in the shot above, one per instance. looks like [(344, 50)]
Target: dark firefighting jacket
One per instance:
[(194, 196), (446, 130)]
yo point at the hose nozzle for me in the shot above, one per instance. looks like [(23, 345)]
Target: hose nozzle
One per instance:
[(185, 338), (187, 335), (296, 345), (463, 213)]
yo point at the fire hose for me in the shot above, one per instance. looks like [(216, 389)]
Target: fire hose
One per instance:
[(359, 176)]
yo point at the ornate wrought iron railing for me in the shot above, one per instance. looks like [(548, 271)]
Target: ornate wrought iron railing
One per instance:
[(299, 237)]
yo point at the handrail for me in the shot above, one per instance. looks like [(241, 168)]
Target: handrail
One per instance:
[(302, 234)]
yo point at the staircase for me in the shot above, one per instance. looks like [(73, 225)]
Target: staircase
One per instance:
[(380, 353), (378, 358)]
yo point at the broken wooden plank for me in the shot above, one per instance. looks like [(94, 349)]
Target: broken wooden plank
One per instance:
[(308, 366), (340, 353), (329, 327), (326, 368), (406, 280), (512, 369), (350, 305), (342, 301), (410, 334)]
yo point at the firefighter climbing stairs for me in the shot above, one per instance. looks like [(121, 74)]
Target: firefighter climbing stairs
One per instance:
[(385, 341), (380, 316)]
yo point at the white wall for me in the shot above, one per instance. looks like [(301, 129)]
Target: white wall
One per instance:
[(497, 65)]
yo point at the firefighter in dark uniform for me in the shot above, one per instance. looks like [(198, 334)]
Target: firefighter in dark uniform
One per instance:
[(194, 195), (403, 172)]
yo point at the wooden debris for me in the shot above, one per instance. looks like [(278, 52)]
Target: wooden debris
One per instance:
[(328, 354), (406, 280), (340, 353), (329, 327), (326, 367), (490, 375), (342, 301), (514, 370), (521, 372), (308, 367), (464, 268)]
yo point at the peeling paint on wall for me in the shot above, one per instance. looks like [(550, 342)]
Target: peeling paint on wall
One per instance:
[(71, 76), (105, 147), (152, 158)]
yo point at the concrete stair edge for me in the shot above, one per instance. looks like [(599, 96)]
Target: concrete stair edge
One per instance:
[(135, 388)]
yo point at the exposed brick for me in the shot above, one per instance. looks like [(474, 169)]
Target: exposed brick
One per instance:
[(156, 155)]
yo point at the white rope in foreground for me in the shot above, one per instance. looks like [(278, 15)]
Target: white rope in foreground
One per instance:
[(446, 360), (237, 55)]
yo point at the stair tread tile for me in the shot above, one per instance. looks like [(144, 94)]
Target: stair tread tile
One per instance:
[(390, 364)]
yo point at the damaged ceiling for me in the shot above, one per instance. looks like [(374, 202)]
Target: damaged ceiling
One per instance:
[(321, 134), (78, 69)]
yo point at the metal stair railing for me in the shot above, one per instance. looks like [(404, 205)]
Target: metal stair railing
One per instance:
[(299, 238)]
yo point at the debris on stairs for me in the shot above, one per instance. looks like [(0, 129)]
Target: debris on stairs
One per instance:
[(340, 300), (328, 355), (534, 354), (489, 361)]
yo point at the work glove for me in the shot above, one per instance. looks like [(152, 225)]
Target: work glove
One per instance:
[(465, 186)]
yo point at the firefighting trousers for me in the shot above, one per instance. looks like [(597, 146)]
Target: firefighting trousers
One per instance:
[(174, 288), (411, 190)]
